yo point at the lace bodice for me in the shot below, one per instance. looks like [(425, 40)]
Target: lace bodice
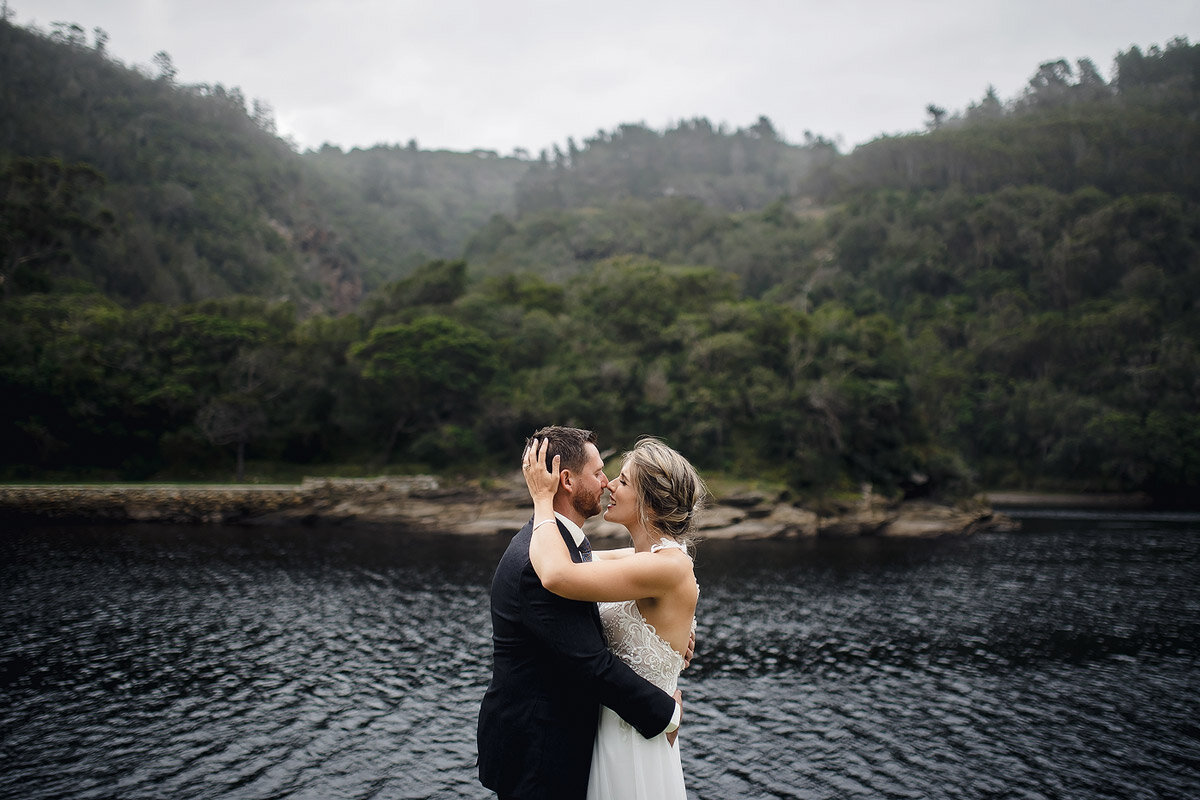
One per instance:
[(636, 642)]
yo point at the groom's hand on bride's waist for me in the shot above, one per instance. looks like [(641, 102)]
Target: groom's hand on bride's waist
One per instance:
[(673, 733)]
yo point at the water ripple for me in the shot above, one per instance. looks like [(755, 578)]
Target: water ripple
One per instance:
[(147, 662)]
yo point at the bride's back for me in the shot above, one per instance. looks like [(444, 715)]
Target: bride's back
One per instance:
[(673, 614)]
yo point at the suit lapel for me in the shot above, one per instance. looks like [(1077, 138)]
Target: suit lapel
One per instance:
[(576, 556)]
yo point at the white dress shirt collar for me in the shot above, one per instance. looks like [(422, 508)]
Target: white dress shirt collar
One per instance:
[(575, 531)]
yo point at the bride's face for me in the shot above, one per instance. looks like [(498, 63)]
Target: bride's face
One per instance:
[(622, 504)]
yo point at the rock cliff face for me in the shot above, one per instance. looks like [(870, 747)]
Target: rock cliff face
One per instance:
[(754, 516), (423, 503), (332, 267)]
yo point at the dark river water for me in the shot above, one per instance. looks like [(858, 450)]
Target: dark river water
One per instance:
[(1059, 661)]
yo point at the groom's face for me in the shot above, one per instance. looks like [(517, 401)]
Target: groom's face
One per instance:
[(589, 483)]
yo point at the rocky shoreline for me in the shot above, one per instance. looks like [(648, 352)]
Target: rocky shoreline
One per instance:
[(424, 503)]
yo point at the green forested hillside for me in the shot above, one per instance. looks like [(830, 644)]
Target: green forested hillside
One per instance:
[(198, 200), (1008, 298), (1068, 130), (1040, 260), (192, 196), (401, 207), (731, 171)]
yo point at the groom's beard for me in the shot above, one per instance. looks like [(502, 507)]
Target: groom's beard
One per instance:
[(588, 506)]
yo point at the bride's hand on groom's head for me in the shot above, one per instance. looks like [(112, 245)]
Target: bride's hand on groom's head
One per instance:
[(538, 479)]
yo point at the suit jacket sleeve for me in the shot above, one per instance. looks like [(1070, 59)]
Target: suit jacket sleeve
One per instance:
[(570, 629)]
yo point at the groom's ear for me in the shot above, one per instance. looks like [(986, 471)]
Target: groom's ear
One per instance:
[(566, 480)]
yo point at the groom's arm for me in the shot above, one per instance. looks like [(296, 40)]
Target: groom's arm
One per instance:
[(567, 627)]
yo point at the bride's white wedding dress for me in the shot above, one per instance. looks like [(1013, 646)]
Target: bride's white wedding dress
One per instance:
[(626, 765)]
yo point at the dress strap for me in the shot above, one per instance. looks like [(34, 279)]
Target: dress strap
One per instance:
[(666, 544)]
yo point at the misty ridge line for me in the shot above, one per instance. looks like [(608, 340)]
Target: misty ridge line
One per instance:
[(163, 67)]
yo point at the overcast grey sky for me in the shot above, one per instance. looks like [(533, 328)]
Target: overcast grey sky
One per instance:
[(465, 74)]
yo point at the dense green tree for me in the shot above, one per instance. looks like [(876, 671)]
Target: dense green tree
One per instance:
[(437, 283), (46, 208), (431, 370), (238, 414)]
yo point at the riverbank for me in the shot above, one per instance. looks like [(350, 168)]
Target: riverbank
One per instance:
[(1093, 502), (426, 503)]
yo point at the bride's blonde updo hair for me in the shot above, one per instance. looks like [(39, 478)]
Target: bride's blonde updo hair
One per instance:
[(669, 490)]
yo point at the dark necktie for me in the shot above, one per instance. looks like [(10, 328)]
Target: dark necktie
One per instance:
[(585, 549)]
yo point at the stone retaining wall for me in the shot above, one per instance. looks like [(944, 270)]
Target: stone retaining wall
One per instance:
[(205, 504)]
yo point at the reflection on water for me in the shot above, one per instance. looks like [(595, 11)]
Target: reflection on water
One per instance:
[(153, 661)]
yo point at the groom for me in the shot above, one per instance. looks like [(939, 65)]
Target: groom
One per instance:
[(551, 670)]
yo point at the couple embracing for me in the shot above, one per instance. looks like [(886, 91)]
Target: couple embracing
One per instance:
[(588, 646)]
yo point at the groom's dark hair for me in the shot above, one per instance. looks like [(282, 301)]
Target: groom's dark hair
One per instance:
[(567, 443)]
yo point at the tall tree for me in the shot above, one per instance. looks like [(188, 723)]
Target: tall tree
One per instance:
[(238, 415), (429, 371), (45, 207)]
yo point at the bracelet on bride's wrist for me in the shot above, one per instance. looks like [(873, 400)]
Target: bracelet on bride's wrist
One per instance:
[(543, 522)]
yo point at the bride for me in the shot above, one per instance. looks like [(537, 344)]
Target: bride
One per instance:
[(646, 594)]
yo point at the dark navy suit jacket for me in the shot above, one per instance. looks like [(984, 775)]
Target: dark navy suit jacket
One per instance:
[(550, 675)]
